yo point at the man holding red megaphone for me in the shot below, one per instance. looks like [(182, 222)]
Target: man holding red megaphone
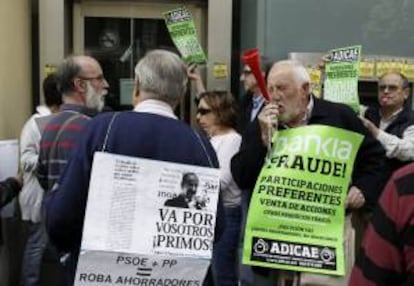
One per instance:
[(291, 104)]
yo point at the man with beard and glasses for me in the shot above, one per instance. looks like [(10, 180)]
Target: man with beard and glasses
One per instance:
[(83, 86)]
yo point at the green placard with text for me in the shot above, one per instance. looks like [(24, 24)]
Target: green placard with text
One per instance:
[(184, 35), (296, 214), (341, 76)]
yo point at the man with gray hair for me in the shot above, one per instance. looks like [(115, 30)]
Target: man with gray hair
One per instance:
[(81, 82), (150, 131), (292, 105), (82, 85)]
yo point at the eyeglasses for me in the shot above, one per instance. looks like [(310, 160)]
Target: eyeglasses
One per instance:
[(99, 77), (203, 111), (246, 72), (389, 87)]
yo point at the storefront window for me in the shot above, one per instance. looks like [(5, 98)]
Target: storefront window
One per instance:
[(118, 43)]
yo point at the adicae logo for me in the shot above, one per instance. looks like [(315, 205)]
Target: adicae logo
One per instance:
[(327, 255), (261, 246)]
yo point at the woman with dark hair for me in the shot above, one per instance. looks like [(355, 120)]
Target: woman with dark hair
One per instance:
[(217, 116)]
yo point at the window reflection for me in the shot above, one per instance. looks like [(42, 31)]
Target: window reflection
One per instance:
[(118, 43)]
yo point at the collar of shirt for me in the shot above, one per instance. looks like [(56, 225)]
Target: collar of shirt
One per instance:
[(43, 110), (78, 108), (156, 107), (384, 123), (257, 102)]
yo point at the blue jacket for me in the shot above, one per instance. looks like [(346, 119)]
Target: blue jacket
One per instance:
[(133, 134)]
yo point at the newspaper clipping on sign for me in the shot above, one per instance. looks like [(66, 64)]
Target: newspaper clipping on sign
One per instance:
[(147, 222)]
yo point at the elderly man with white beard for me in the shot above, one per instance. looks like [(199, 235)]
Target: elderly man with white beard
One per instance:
[(83, 86)]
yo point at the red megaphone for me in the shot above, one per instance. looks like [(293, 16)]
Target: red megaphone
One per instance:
[(251, 58)]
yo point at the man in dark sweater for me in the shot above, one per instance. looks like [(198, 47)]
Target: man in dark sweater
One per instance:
[(150, 131), (82, 84)]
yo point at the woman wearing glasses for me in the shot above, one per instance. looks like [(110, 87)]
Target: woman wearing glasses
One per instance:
[(217, 116)]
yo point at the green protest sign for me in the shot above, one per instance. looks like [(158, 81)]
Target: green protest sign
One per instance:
[(296, 214), (341, 76), (184, 35)]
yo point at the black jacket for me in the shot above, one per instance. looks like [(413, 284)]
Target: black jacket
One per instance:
[(403, 120), (247, 163), (8, 190)]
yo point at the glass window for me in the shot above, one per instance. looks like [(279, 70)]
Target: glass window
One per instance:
[(118, 43)]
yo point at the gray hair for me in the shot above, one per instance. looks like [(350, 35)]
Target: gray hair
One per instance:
[(300, 73), (162, 75), (66, 73)]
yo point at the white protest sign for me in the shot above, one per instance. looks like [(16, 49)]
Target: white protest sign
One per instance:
[(146, 210), (9, 158), (110, 268)]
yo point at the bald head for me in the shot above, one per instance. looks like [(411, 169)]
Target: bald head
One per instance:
[(393, 91), (295, 68), (73, 67), (81, 81)]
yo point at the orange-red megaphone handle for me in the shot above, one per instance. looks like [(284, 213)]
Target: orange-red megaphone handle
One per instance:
[(251, 58)]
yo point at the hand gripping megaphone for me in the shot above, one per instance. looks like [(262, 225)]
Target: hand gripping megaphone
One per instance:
[(251, 58)]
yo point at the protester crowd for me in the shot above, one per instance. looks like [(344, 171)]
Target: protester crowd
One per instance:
[(59, 141)]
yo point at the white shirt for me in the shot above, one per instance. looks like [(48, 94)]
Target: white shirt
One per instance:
[(226, 145), (31, 195), (257, 102), (395, 147), (156, 107)]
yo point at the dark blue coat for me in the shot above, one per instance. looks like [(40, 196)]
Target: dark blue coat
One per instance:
[(133, 134)]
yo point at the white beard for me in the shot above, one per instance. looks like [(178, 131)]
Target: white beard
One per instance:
[(94, 100)]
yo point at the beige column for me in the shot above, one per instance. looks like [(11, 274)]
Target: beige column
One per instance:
[(52, 35), (219, 43), (15, 68)]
